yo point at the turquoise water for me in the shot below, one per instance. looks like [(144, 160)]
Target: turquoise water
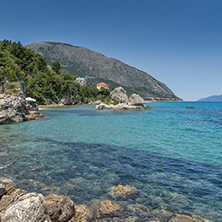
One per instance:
[(173, 155)]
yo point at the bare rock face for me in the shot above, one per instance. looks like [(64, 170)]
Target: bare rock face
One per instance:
[(82, 214), (186, 218), (60, 208), (121, 191), (119, 95), (108, 208), (29, 207), (12, 109), (136, 100)]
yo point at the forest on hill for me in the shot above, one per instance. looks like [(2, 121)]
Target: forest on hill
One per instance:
[(22, 67)]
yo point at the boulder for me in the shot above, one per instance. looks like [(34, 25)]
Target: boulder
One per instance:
[(108, 208), (119, 95), (13, 109), (185, 218), (136, 100), (82, 214), (121, 191), (8, 199), (60, 208), (7, 185), (29, 207)]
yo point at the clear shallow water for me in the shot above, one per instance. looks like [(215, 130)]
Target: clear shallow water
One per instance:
[(172, 154)]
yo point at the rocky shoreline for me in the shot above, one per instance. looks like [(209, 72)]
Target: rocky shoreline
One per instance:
[(18, 205)]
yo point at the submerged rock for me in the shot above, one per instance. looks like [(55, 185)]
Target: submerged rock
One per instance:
[(121, 191), (137, 208), (29, 207), (108, 208), (60, 208), (82, 214), (186, 218), (190, 107)]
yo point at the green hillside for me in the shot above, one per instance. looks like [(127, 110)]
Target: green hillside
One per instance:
[(20, 66)]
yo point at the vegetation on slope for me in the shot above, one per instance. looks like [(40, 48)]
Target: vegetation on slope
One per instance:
[(19, 65), (99, 68)]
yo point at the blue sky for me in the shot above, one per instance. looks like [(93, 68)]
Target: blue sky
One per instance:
[(178, 42)]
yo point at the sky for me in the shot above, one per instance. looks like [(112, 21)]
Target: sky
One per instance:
[(178, 42)]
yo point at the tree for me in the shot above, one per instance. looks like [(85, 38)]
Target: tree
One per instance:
[(56, 66)]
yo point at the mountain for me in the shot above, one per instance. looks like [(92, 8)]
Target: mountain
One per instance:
[(216, 98), (97, 68)]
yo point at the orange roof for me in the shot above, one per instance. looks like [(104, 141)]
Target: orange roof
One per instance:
[(102, 84)]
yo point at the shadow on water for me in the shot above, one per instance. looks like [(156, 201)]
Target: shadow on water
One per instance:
[(85, 172)]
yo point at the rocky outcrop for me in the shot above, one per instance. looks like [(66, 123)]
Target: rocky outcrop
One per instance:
[(119, 95), (136, 100), (121, 191), (13, 109), (29, 207), (120, 101)]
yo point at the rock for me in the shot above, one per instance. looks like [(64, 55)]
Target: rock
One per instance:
[(137, 208), (121, 191), (60, 208), (136, 100), (13, 110), (8, 199), (29, 207), (161, 215), (119, 95), (108, 208), (190, 107), (82, 214), (121, 106), (185, 218), (9, 185), (120, 101), (2, 189)]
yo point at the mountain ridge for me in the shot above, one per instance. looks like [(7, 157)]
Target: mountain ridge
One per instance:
[(97, 67)]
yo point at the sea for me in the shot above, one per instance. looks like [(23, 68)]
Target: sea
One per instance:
[(171, 154)]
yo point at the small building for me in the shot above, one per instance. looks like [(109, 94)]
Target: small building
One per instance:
[(101, 85), (81, 81)]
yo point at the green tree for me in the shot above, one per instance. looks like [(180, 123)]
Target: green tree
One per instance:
[(56, 66)]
